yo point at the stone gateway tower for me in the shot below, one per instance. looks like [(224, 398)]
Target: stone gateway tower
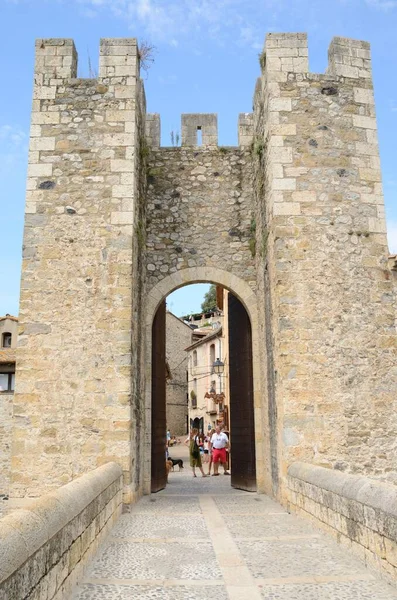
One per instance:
[(291, 222)]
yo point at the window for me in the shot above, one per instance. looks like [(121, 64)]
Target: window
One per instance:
[(7, 382), (193, 394), (199, 136), (194, 358), (212, 355), (6, 341)]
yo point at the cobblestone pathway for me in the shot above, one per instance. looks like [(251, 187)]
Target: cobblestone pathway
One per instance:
[(199, 538)]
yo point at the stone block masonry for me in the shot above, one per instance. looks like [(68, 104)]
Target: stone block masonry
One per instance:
[(74, 393), (178, 337), (320, 220), (6, 402), (195, 124), (45, 547), (359, 512), (291, 221)]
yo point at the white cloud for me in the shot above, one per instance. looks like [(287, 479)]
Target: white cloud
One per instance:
[(382, 4), (167, 80), (89, 13), (223, 21), (250, 37), (13, 146), (11, 136), (392, 236)]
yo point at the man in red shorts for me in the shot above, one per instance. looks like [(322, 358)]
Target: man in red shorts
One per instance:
[(219, 443)]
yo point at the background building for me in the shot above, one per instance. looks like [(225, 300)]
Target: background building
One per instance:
[(178, 334), (208, 393), (8, 343)]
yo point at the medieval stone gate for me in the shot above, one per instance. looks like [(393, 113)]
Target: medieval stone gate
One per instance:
[(291, 221)]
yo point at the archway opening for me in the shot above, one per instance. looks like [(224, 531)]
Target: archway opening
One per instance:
[(206, 399)]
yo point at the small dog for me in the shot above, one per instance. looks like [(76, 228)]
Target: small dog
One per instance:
[(176, 461), (168, 467)]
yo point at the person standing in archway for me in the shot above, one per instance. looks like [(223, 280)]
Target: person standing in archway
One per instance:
[(219, 443), (194, 452), (210, 434)]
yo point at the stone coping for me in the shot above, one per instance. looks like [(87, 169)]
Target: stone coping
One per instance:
[(24, 531), (374, 494)]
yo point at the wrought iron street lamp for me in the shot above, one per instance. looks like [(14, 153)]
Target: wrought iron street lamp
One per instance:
[(218, 367)]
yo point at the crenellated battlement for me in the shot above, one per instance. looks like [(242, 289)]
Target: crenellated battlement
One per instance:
[(349, 58), (205, 125), (295, 212), (285, 53), (194, 125), (57, 61)]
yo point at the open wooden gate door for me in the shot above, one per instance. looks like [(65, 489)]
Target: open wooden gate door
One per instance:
[(242, 427), (159, 425)]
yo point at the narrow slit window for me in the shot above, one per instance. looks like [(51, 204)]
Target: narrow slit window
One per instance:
[(199, 136), (6, 340)]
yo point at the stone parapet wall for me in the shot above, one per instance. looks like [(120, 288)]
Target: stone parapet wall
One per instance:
[(45, 547), (360, 512)]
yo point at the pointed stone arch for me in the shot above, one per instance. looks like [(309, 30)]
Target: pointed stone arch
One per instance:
[(247, 297)]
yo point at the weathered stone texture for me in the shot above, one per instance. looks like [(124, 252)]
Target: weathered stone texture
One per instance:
[(323, 242), (178, 337), (73, 396), (199, 211), (45, 546), (292, 222), (152, 130), (6, 401), (245, 129), (359, 512), (207, 124)]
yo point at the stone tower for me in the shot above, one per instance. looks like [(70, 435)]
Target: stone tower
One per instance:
[(291, 221)]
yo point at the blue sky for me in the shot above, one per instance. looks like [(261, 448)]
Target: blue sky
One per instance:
[(206, 61)]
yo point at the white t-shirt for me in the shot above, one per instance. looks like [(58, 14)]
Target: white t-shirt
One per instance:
[(219, 440)]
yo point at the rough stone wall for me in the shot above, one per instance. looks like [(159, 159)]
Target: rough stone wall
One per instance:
[(200, 210), (78, 297), (6, 401), (178, 337), (304, 198), (323, 261)]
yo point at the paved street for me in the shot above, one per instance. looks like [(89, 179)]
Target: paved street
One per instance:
[(199, 538)]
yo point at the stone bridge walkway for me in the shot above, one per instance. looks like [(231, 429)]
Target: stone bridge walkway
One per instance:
[(200, 539)]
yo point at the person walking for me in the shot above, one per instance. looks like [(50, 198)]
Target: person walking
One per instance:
[(206, 457), (194, 452), (219, 443), (211, 433)]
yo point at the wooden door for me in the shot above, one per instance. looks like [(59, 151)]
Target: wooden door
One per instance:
[(242, 427), (159, 425)]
